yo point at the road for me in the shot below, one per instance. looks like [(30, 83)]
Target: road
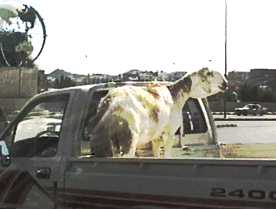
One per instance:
[(247, 132), (246, 117)]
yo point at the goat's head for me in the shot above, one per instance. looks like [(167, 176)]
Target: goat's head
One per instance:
[(206, 83)]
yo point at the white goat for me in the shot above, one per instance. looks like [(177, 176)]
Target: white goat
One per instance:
[(131, 116)]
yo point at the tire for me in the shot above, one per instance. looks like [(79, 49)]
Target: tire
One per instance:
[(244, 113)]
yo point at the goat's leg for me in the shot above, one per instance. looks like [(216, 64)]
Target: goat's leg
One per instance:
[(156, 147), (169, 141), (181, 132), (133, 146)]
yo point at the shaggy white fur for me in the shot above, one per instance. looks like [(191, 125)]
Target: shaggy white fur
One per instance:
[(131, 116)]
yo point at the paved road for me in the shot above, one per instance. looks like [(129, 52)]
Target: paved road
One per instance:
[(247, 132), (245, 117)]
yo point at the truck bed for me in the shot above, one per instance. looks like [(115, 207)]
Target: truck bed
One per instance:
[(174, 183)]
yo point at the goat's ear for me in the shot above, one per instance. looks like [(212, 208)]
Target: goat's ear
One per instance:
[(203, 70)]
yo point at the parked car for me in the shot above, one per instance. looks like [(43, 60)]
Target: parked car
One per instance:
[(251, 109)]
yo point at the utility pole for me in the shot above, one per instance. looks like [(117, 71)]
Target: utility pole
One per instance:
[(225, 54)]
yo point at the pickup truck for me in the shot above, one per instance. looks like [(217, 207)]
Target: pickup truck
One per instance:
[(46, 162)]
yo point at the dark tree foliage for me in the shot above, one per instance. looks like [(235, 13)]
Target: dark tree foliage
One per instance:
[(248, 93), (8, 54), (230, 95), (266, 95), (15, 45)]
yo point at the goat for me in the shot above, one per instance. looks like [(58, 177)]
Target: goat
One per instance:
[(131, 116)]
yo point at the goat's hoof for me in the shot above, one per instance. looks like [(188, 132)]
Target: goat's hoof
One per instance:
[(186, 148)]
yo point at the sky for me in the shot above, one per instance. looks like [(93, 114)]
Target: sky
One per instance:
[(114, 36)]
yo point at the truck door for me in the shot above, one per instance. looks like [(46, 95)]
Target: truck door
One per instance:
[(34, 140)]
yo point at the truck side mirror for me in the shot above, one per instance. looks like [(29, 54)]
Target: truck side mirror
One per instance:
[(4, 154)]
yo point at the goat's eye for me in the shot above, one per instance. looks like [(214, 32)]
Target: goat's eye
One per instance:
[(210, 74)]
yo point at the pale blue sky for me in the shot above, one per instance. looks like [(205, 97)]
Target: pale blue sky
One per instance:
[(113, 36)]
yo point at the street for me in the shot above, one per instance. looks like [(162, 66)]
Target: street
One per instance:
[(247, 132), (247, 138), (231, 115)]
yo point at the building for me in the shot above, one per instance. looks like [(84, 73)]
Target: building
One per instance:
[(262, 72)]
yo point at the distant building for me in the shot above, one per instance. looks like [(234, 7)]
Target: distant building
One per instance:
[(259, 75), (132, 75), (100, 78), (138, 75), (59, 73), (176, 75), (263, 72), (256, 77), (162, 76), (263, 78)]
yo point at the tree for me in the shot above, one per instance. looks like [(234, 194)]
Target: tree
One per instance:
[(265, 95), (15, 40), (230, 95), (15, 48), (248, 93), (255, 93)]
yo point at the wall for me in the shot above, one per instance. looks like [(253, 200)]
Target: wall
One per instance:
[(17, 85), (18, 82)]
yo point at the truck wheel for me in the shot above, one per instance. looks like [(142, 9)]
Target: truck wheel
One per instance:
[(244, 113)]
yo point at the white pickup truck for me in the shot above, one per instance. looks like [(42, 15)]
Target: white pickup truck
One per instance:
[(46, 162)]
